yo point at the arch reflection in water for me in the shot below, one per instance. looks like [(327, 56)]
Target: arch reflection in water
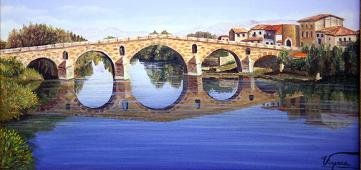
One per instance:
[(94, 81), (267, 86), (157, 85), (222, 89)]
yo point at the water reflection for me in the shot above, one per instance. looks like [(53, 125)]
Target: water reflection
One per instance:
[(95, 90), (222, 88), (156, 85)]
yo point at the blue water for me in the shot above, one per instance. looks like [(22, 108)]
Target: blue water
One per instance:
[(251, 138)]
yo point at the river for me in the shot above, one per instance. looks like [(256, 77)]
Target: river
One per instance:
[(162, 119)]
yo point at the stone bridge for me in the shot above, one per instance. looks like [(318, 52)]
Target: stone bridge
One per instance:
[(120, 51)]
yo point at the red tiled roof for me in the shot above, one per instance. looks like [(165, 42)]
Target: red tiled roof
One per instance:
[(253, 39), (337, 31), (239, 30), (318, 17), (276, 28), (298, 54)]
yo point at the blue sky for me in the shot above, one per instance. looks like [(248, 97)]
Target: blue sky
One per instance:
[(97, 19)]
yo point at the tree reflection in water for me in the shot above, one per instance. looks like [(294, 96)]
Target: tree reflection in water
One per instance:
[(157, 76)]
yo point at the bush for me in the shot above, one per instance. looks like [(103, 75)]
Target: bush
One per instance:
[(29, 74), (14, 151), (15, 99)]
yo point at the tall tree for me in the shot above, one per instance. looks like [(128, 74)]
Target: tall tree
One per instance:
[(201, 34)]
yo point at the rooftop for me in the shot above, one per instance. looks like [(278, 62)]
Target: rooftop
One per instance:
[(276, 28), (318, 17), (298, 54), (337, 31), (239, 30)]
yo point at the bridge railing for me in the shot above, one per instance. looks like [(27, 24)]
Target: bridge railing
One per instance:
[(139, 38)]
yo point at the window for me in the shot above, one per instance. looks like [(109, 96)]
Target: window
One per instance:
[(344, 39), (243, 35), (301, 43), (254, 34), (349, 39), (319, 41), (302, 34), (194, 48), (340, 39), (310, 26), (248, 51), (311, 34), (260, 33), (321, 35), (65, 55), (301, 25), (306, 34), (317, 35), (306, 26), (266, 42), (271, 43), (237, 35), (121, 50)]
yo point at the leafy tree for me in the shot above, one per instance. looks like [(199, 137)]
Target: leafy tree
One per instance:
[(154, 33), (165, 32), (40, 34), (2, 44), (201, 34), (109, 37)]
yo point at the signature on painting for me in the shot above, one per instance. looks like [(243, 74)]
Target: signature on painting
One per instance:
[(344, 160)]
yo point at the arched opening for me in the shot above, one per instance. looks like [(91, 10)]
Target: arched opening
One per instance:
[(65, 55), (222, 89), (288, 43), (46, 67), (156, 75), (221, 61), (194, 48), (266, 64), (248, 51), (94, 75), (121, 50)]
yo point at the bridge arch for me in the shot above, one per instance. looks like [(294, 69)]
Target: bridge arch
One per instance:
[(234, 94), (103, 52), (267, 62), (46, 67), (231, 52)]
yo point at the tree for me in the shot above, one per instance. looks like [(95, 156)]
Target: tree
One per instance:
[(165, 32), (109, 37), (40, 34), (2, 44), (153, 33), (201, 34)]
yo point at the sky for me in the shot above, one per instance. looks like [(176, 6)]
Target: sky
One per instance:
[(96, 19)]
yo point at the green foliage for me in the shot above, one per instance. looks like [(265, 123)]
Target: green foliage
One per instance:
[(201, 34), (40, 34), (83, 66), (2, 44), (109, 37), (165, 32), (29, 74), (157, 53), (16, 98), (15, 153), (329, 62)]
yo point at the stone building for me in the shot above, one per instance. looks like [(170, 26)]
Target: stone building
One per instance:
[(223, 38), (315, 23), (336, 36), (290, 35), (238, 34), (265, 33)]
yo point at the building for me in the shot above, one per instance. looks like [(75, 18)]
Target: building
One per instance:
[(336, 36), (223, 38), (238, 34), (265, 33), (290, 35), (310, 25)]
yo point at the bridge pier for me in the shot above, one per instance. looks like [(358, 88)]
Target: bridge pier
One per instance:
[(194, 66), (250, 65)]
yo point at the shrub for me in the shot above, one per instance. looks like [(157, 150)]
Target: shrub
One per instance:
[(29, 74), (15, 99), (15, 153)]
